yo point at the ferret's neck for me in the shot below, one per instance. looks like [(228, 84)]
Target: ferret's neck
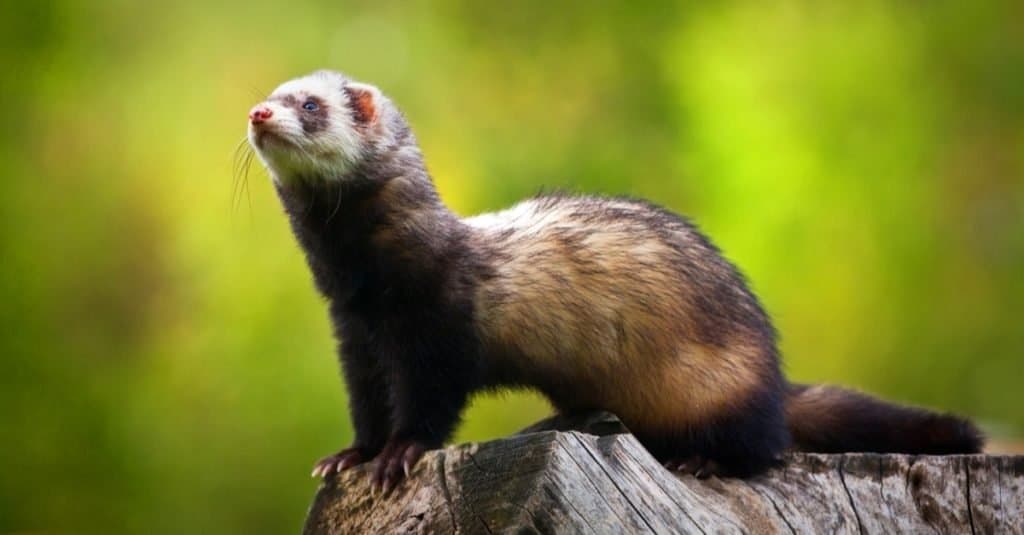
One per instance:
[(385, 225)]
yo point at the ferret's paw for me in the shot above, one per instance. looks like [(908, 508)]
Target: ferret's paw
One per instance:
[(700, 467), (343, 460), (395, 462)]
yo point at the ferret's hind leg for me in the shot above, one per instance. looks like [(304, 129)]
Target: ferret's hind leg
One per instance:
[(697, 465), (741, 444)]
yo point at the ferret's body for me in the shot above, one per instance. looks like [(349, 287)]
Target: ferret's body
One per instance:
[(596, 302), (586, 293)]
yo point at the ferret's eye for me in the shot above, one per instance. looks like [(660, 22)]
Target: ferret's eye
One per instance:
[(310, 106)]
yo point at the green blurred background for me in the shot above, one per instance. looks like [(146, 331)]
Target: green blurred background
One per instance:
[(168, 368)]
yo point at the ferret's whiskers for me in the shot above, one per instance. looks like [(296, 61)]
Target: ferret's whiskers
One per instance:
[(241, 163), (236, 165), (245, 179), (337, 205)]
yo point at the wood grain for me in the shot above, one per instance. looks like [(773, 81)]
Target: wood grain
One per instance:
[(586, 474)]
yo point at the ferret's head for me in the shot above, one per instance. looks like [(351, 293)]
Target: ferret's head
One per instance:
[(321, 127)]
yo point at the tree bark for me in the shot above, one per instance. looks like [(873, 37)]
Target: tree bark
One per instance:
[(587, 474)]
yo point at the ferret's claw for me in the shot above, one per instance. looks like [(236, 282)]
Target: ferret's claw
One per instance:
[(343, 460), (396, 462), (698, 466)]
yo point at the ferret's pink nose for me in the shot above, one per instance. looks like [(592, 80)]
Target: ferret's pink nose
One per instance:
[(260, 113)]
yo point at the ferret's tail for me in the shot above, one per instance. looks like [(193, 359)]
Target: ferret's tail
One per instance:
[(832, 420)]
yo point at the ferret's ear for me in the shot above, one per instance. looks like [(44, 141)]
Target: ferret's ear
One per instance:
[(364, 101)]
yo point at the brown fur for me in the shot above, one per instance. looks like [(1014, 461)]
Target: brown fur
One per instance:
[(591, 300), (830, 419)]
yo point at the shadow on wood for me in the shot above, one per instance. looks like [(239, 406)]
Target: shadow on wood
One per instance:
[(587, 474)]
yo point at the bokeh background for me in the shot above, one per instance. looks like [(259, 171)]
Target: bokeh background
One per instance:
[(168, 368)]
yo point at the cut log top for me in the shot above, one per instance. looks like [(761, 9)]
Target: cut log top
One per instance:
[(588, 475)]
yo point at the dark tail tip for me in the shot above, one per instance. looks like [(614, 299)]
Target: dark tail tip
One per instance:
[(833, 420), (948, 433)]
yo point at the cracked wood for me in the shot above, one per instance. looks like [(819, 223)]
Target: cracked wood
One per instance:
[(586, 474)]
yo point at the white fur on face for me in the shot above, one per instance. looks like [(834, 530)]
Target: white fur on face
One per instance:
[(288, 151)]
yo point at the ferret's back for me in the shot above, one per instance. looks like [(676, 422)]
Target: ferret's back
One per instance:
[(627, 287)]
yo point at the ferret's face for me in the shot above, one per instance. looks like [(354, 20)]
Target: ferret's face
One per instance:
[(317, 126)]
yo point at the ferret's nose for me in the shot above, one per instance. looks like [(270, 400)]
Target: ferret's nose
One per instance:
[(260, 114)]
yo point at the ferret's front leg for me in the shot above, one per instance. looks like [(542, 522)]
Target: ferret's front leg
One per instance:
[(429, 389)]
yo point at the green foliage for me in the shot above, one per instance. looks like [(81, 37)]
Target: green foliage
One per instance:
[(168, 367)]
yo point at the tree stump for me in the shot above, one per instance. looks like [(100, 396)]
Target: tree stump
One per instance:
[(587, 474)]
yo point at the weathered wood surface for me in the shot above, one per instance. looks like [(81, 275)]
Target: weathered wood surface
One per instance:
[(598, 479)]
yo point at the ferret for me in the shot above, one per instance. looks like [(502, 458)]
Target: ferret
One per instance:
[(596, 302)]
